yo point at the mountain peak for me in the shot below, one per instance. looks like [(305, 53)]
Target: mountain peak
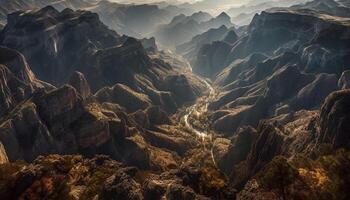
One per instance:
[(48, 10), (223, 15)]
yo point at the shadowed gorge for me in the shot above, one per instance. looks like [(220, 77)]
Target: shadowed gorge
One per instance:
[(174, 100)]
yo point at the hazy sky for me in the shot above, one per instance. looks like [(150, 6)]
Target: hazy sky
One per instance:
[(218, 3), (212, 6)]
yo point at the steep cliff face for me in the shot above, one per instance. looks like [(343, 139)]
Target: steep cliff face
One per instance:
[(54, 39), (81, 85), (334, 120), (17, 81)]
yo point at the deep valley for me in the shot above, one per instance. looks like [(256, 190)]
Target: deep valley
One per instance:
[(108, 100)]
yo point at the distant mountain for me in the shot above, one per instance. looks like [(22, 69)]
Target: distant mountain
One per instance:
[(243, 15), (210, 57), (329, 6), (9, 6), (199, 40), (129, 19), (182, 28), (133, 20), (201, 50)]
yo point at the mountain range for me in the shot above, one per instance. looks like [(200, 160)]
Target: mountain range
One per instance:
[(103, 100)]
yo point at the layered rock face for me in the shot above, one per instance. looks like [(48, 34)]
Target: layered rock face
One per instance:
[(17, 81), (54, 39), (334, 120)]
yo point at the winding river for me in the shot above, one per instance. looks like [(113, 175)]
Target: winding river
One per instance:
[(200, 108)]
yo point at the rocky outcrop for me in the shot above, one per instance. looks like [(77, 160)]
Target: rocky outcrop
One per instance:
[(79, 82), (182, 87), (334, 120), (157, 116), (24, 135), (3, 155), (239, 148), (311, 96), (284, 83), (149, 44), (17, 81), (124, 96), (344, 80)]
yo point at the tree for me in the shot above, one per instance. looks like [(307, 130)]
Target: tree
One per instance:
[(278, 175)]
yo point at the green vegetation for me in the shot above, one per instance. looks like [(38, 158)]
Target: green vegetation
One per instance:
[(278, 176), (323, 178)]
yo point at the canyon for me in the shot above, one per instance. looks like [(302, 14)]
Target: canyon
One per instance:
[(103, 100)]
